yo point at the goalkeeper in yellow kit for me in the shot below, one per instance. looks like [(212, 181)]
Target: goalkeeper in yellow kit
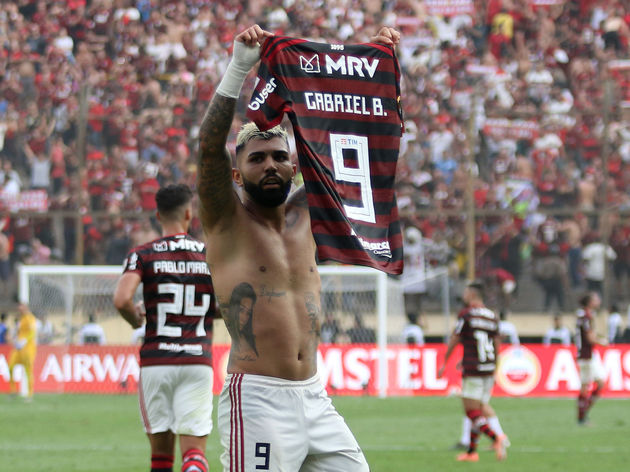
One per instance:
[(24, 348)]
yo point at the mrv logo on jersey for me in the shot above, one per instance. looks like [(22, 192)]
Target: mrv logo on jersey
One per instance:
[(179, 245), (344, 65)]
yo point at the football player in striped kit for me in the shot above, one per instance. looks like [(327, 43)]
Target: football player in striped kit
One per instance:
[(477, 329), (591, 371), (175, 388)]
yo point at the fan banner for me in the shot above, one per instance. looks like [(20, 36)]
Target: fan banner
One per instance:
[(26, 200), (449, 7), (346, 369), (502, 128)]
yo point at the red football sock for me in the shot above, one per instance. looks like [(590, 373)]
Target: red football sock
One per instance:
[(594, 394), (583, 403), (474, 439), (193, 460), (480, 423), (162, 463)]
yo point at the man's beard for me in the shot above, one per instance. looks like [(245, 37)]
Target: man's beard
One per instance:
[(269, 198)]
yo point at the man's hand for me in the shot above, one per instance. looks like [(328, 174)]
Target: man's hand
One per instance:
[(245, 56), (140, 315), (252, 36), (386, 35), (247, 47)]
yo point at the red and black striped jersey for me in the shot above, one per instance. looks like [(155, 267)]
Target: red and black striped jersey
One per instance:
[(584, 324), (477, 327), (179, 300), (344, 104)]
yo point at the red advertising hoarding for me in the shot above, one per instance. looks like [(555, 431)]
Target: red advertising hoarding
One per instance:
[(528, 370)]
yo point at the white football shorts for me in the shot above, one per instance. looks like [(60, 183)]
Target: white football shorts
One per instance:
[(591, 370), (478, 388), (176, 398), (267, 423)]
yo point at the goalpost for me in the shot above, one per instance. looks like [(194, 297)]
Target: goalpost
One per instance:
[(67, 294)]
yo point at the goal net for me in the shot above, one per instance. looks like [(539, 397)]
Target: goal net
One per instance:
[(67, 295)]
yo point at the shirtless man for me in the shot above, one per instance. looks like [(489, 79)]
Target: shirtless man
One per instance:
[(573, 229), (274, 413), (587, 192)]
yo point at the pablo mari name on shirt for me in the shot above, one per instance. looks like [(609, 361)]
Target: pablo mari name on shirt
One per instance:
[(180, 267), (331, 101)]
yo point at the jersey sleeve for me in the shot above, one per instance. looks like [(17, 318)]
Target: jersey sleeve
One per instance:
[(133, 263), (271, 98), (459, 324)]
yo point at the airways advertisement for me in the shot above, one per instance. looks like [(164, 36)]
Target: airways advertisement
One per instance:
[(527, 370)]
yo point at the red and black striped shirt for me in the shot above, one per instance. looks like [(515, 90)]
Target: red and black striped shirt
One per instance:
[(179, 300), (344, 104), (477, 327), (584, 324)]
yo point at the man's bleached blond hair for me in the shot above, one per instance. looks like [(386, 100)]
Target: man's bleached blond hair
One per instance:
[(250, 131)]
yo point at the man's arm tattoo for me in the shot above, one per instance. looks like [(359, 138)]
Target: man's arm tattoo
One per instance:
[(298, 198), (214, 173)]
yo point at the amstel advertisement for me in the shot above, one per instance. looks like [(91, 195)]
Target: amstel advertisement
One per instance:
[(527, 370)]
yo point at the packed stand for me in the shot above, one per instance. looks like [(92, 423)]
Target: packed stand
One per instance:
[(532, 101)]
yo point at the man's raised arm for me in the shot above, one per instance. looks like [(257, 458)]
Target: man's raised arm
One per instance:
[(214, 173)]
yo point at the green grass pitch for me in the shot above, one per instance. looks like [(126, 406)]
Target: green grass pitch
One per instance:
[(69, 433)]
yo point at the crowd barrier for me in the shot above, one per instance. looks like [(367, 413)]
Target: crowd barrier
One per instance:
[(526, 370)]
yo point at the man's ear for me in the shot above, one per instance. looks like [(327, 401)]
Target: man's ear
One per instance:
[(236, 177)]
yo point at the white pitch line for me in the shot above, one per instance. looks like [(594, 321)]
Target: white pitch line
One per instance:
[(520, 449), (135, 446), (375, 448), (68, 447)]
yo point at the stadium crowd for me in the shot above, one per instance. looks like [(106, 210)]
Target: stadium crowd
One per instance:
[(530, 97)]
